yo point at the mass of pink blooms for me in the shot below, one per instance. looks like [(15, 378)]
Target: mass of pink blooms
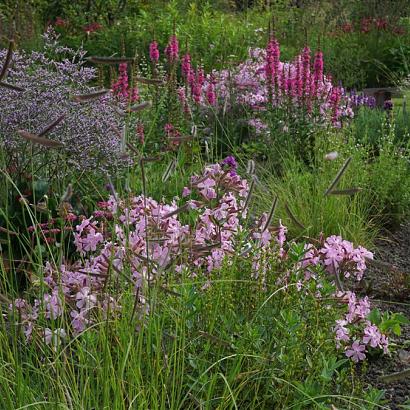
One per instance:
[(355, 333), (263, 82), (122, 89), (368, 24), (133, 242)]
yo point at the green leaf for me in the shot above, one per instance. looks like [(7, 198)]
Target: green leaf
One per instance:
[(375, 316)]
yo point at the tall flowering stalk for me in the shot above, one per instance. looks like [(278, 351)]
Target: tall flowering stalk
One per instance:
[(121, 88), (306, 72), (172, 49), (198, 84), (334, 101), (210, 91), (317, 72), (186, 65), (299, 80), (154, 52), (272, 66)]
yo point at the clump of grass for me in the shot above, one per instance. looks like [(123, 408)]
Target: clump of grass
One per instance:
[(305, 209)]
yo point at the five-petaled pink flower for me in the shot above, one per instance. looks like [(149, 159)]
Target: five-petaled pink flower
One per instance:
[(356, 352)]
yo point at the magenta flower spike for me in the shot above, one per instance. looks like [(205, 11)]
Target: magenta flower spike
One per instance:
[(120, 87), (186, 65), (306, 71), (154, 52), (317, 72), (172, 49)]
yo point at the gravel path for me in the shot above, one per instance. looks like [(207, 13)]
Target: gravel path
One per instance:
[(389, 288)]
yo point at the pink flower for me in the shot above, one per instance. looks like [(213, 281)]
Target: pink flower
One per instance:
[(54, 337), (172, 49), (347, 27), (85, 299), (372, 335), (306, 71), (79, 321), (60, 22), (92, 27), (135, 95), (91, 241), (365, 25), (154, 52), (317, 72), (356, 352), (335, 98), (210, 92), (120, 88), (185, 192), (342, 332), (53, 306), (384, 343), (207, 188), (186, 65), (272, 61)]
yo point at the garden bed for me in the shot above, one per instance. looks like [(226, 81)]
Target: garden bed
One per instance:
[(390, 291)]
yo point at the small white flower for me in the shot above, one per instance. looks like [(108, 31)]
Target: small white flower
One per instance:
[(331, 156)]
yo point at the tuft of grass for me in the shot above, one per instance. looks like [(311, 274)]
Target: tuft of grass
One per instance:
[(310, 212)]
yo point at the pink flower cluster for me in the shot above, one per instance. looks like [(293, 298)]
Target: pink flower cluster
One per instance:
[(368, 24), (337, 257), (172, 49), (263, 81), (146, 238), (132, 242), (154, 52), (355, 332), (92, 27), (121, 88), (340, 255)]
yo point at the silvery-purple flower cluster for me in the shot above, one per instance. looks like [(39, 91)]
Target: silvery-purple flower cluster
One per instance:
[(48, 84)]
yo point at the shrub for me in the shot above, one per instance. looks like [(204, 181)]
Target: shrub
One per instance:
[(81, 138), (148, 242)]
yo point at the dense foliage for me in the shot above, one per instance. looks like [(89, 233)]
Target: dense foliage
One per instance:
[(189, 211)]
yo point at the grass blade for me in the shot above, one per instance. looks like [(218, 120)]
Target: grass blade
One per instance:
[(7, 61), (39, 140), (338, 176), (271, 214), (51, 126), (89, 97)]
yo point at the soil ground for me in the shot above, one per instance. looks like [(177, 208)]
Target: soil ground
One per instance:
[(388, 285)]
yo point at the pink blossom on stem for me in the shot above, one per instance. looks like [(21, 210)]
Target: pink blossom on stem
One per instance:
[(154, 52), (172, 49), (186, 65), (334, 101), (306, 71), (120, 87), (372, 335), (356, 352), (317, 72), (210, 92)]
